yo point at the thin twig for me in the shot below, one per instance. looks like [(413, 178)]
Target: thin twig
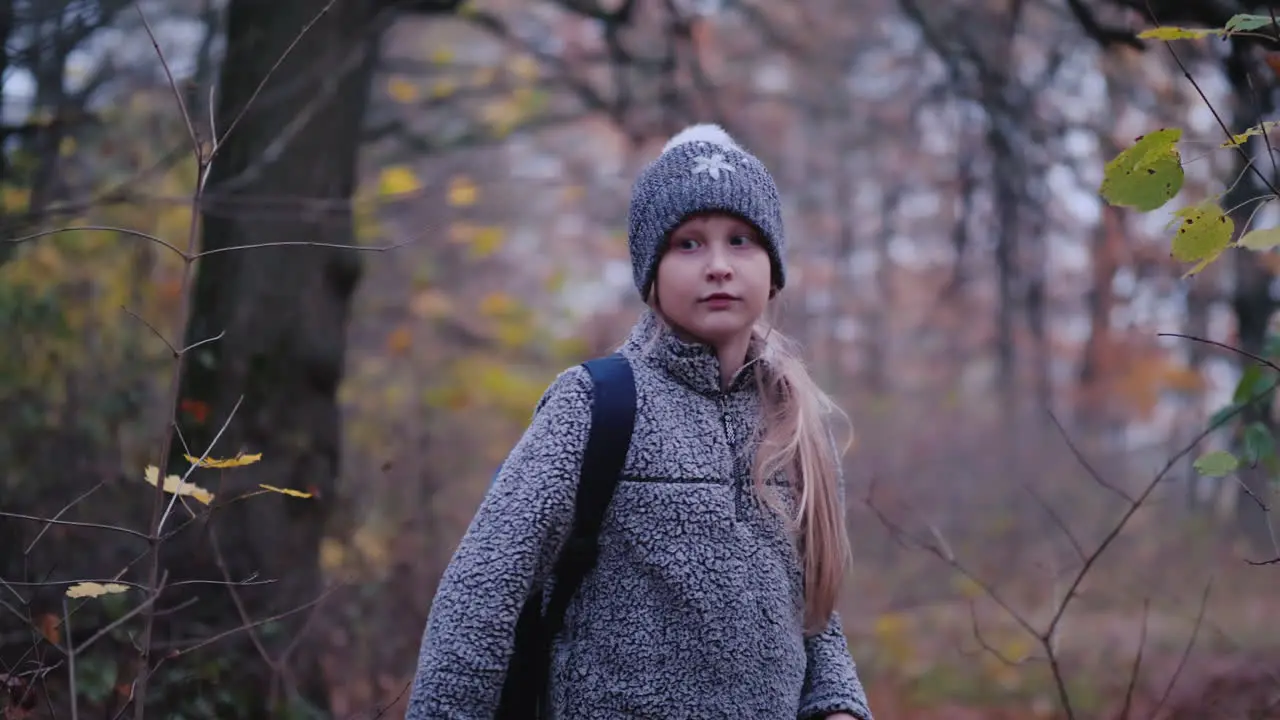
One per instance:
[(1245, 353), (1252, 166), (203, 457), (153, 330), (72, 685), (177, 652), (283, 243), (1088, 466), (221, 562), (98, 228), (1057, 520), (387, 708), (1047, 635), (205, 341), (173, 84), (142, 606), (988, 647), (73, 523), (61, 512), (1186, 650), (219, 141), (1136, 671)]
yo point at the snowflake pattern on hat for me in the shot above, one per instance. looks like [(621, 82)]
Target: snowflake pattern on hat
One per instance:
[(710, 165)]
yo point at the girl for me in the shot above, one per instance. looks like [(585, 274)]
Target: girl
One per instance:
[(724, 548)]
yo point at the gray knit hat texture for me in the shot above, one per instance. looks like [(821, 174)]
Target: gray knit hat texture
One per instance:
[(701, 169)]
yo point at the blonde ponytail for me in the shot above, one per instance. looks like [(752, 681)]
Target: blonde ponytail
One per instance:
[(796, 440)]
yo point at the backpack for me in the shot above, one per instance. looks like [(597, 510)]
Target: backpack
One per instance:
[(525, 689)]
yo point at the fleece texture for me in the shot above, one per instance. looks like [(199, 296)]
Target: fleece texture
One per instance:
[(695, 608), (701, 169)]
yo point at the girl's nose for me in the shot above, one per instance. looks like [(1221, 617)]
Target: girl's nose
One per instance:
[(718, 265)]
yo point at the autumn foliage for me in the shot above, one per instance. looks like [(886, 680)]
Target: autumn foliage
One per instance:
[(1013, 392)]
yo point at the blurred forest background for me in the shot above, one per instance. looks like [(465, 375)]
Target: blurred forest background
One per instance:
[(960, 287)]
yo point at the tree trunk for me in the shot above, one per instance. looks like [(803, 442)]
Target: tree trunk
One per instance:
[(284, 314)]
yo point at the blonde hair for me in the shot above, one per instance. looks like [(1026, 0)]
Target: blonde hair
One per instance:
[(795, 439)]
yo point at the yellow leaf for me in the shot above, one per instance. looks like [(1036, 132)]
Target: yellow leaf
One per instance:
[(1206, 262), (332, 554), (497, 304), (399, 341), (502, 115), (1258, 129), (1146, 175), (462, 192), (1169, 32), (442, 55), (966, 586), (240, 460), (555, 281), (285, 491), (454, 397), (1260, 240), (93, 589), (173, 484), (14, 198), (401, 90), (512, 334), (443, 88), (398, 180), (487, 241), (1204, 232), (524, 67), (890, 624)]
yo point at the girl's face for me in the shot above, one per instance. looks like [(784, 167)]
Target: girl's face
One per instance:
[(713, 281)]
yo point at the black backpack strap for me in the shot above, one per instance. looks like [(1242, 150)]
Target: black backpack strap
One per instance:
[(613, 415), (613, 411)]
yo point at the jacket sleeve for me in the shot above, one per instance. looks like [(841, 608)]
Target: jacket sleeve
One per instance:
[(831, 682), (512, 540)]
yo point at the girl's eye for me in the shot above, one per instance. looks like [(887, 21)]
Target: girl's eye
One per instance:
[(740, 240), (687, 244)]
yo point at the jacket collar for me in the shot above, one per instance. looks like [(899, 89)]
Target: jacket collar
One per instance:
[(692, 364)]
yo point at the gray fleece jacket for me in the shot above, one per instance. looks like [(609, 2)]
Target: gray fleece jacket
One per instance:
[(695, 607)]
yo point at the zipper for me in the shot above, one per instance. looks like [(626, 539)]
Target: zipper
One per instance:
[(735, 459)]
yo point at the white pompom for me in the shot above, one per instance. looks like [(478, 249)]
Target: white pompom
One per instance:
[(702, 132)]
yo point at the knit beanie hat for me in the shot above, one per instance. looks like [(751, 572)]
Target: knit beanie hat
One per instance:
[(701, 169)]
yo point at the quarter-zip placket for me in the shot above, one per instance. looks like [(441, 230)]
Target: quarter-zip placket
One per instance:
[(736, 461)]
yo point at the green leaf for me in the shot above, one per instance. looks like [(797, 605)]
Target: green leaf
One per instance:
[(1260, 240), (1170, 32), (1252, 381), (1146, 175), (1258, 443), (1222, 415), (1245, 22), (1271, 464), (1216, 463), (1205, 231)]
